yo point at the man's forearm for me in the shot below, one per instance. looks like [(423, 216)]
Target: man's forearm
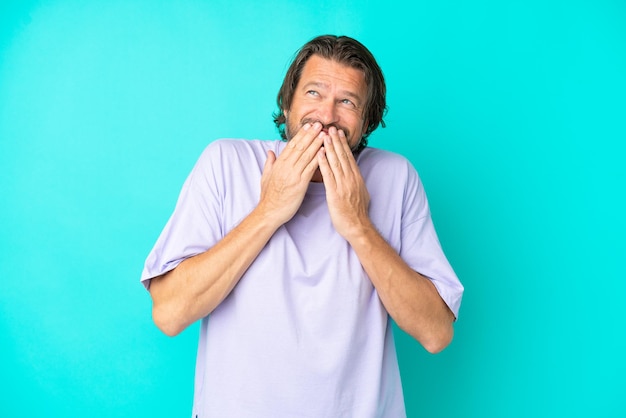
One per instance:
[(410, 298), (199, 284)]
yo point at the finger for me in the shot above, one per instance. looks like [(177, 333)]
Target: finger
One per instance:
[(346, 157), (269, 162), (309, 163), (327, 173), (306, 163), (267, 167), (302, 139), (303, 147), (332, 150), (344, 151)]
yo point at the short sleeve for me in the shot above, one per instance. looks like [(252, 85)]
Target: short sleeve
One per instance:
[(195, 225), (421, 248)]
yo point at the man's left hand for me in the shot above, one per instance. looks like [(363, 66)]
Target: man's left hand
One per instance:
[(346, 193)]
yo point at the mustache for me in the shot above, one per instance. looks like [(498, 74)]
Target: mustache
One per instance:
[(325, 127)]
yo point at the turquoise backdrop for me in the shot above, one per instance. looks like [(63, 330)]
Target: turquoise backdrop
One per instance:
[(513, 112)]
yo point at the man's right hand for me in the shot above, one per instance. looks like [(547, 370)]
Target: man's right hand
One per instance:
[(200, 283), (285, 178)]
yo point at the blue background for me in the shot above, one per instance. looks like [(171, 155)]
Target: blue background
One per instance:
[(513, 113)]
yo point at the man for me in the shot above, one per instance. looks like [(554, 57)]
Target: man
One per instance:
[(295, 253)]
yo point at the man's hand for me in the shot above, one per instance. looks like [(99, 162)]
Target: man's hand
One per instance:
[(286, 177), (346, 193)]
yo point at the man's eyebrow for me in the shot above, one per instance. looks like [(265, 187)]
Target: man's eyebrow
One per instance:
[(346, 93)]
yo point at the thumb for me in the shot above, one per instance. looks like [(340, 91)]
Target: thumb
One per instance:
[(269, 163)]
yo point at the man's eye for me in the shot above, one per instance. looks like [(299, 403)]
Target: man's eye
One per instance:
[(347, 102), (312, 93)]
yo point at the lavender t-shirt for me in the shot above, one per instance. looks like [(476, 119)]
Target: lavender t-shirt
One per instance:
[(303, 333)]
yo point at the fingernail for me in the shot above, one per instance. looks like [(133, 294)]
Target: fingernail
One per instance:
[(306, 126)]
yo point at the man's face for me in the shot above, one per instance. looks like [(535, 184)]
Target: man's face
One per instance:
[(331, 93)]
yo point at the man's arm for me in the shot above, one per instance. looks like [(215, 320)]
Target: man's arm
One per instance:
[(410, 298), (199, 284)]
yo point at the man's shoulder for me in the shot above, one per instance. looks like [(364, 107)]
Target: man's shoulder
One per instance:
[(387, 171), (228, 149), (377, 157), (235, 144)]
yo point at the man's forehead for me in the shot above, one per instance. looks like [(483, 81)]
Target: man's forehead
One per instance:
[(316, 61), (321, 72)]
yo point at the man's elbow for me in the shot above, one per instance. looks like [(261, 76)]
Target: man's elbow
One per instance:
[(437, 342), (165, 321), (165, 309)]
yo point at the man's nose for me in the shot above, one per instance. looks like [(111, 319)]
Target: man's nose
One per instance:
[(327, 113)]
